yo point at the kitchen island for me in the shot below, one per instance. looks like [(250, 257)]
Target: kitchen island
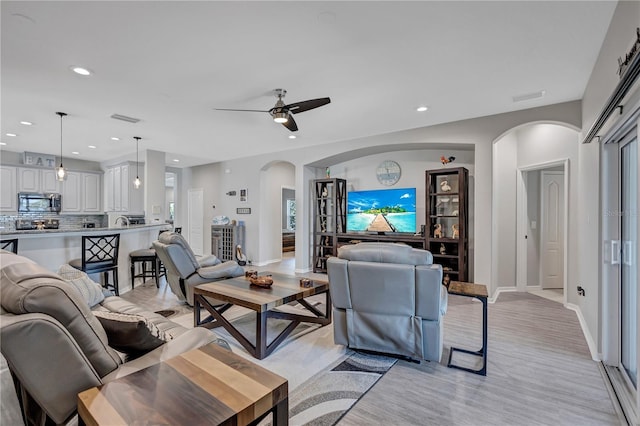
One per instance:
[(54, 247)]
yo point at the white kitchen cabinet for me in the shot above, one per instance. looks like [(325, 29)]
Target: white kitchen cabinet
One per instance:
[(81, 193), (28, 180), (121, 195), (91, 192), (8, 189), (49, 181), (72, 193), (37, 180)]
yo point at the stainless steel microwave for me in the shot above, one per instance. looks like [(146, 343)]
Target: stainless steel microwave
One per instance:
[(39, 202)]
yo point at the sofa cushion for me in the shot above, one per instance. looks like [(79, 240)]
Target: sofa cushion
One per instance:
[(90, 291), (130, 333), (29, 288), (385, 253)]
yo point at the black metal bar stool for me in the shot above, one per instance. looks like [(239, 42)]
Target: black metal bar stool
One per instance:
[(10, 245), (100, 254)]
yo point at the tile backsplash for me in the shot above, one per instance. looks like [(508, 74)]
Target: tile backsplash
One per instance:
[(67, 222)]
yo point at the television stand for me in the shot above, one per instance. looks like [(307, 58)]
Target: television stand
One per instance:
[(416, 241)]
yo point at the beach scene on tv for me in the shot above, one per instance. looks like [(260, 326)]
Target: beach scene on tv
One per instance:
[(382, 210)]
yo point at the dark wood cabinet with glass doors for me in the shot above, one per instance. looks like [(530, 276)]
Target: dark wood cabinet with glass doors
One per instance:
[(447, 221), (330, 219)]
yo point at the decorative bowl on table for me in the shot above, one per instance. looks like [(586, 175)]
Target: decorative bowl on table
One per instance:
[(263, 282)]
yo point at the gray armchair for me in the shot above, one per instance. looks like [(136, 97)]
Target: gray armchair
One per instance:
[(184, 271), (56, 347), (388, 298)]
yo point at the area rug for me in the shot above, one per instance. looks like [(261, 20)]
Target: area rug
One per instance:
[(329, 395), (308, 350)]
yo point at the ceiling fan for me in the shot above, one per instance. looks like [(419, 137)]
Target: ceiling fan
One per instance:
[(281, 113)]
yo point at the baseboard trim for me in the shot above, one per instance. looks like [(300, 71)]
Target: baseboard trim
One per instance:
[(534, 287), (267, 262), (499, 290), (302, 271), (595, 355)]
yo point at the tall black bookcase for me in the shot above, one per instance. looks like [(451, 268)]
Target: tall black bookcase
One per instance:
[(447, 221), (330, 219)]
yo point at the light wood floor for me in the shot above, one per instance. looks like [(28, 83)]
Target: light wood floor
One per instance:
[(539, 369)]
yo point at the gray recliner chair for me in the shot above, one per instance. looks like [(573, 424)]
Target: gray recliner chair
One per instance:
[(56, 347), (388, 298), (184, 270)]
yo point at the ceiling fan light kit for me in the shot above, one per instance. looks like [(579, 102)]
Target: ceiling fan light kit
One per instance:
[(281, 113)]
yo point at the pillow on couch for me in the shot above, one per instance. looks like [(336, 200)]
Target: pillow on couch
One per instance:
[(130, 333), (90, 290)]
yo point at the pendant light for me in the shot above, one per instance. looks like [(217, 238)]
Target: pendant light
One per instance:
[(137, 182), (61, 173)]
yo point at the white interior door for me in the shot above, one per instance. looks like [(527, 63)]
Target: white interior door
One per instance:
[(552, 230), (196, 220)]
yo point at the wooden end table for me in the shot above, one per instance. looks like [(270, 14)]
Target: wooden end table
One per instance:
[(478, 291), (239, 291), (210, 385)]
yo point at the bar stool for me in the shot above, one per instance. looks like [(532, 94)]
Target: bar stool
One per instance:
[(147, 257), (10, 245), (100, 254)]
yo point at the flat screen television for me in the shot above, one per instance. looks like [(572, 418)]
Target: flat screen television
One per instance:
[(382, 211)]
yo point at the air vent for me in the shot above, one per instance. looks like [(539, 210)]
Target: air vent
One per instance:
[(125, 118), (528, 96)]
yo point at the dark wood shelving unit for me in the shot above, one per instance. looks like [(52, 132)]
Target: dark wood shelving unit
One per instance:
[(330, 219), (448, 206)]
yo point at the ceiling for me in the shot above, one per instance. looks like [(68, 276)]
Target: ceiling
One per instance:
[(171, 63)]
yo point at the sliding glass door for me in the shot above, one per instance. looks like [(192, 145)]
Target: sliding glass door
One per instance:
[(628, 257)]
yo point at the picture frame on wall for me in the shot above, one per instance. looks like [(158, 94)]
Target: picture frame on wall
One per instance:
[(243, 195)]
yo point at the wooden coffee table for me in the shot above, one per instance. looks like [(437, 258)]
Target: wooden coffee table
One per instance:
[(210, 385), (240, 292)]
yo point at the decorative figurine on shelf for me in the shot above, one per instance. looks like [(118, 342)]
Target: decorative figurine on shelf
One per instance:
[(437, 233), (444, 186), (325, 192), (328, 172), (446, 280), (446, 160), (454, 213), (443, 249), (241, 257), (456, 232)]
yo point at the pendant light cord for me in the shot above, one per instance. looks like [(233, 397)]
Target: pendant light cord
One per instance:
[(137, 138), (61, 114)]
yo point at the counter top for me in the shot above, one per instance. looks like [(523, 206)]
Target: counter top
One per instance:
[(48, 232)]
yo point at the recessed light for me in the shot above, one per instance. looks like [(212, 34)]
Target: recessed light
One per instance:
[(113, 138), (11, 134), (292, 136), (175, 160), (91, 146), (75, 152), (422, 108), (81, 71), (26, 123), (3, 143)]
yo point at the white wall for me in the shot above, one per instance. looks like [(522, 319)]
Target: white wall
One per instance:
[(153, 182), (528, 146), (603, 80), (479, 133), (533, 240), (272, 180), (505, 155)]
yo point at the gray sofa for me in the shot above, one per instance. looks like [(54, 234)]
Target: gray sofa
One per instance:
[(56, 347), (185, 271), (388, 298)]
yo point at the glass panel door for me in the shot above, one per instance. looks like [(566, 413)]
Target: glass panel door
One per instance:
[(629, 270)]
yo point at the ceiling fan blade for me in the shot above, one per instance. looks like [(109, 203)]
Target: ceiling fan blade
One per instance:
[(241, 110), (303, 106), (291, 124)]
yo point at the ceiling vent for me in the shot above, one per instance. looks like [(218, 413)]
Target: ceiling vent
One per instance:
[(528, 96), (125, 118)]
